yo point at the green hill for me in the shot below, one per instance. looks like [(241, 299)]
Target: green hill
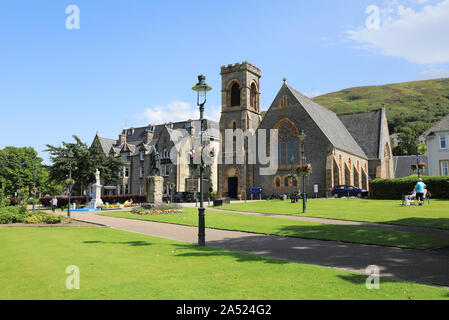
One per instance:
[(417, 104)]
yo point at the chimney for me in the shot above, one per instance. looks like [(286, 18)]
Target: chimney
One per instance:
[(122, 138)]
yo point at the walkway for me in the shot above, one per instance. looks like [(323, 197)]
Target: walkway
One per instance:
[(431, 231), (429, 267)]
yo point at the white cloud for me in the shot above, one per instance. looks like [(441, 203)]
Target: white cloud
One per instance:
[(313, 94), (420, 36), (177, 111), (433, 74)]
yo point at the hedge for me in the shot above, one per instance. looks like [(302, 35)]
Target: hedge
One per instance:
[(63, 201), (396, 188)]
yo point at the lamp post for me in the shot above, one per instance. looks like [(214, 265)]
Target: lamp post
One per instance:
[(417, 162), (201, 88), (70, 155), (303, 162), (34, 186)]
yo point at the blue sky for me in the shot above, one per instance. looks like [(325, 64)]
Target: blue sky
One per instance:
[(136, 61)]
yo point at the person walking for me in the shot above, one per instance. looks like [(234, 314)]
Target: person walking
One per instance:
[(420, 187), (54, 204)]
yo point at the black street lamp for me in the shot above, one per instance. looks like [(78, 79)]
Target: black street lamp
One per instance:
[(201, 88), (70, 155), (303, 162)]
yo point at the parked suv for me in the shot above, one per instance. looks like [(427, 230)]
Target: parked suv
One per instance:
[(351, 191)]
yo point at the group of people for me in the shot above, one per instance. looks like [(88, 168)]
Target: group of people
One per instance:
[(419, 193)]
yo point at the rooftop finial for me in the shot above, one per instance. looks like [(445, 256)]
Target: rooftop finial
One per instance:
[(285, 79)]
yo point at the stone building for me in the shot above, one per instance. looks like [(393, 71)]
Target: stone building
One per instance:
[(347, 149), (134, 147)]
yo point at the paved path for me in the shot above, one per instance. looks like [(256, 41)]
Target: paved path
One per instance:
[(432, 231), (429, 267)]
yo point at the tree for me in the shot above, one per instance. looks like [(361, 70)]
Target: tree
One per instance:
[(20, 169), (407, 142), (83, 161)]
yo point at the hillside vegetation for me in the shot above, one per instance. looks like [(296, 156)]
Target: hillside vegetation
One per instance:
[(417, 105)]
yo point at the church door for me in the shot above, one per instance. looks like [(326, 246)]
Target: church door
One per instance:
[(232, 187)]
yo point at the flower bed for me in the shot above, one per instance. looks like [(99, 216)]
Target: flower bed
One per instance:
[(155, 212)]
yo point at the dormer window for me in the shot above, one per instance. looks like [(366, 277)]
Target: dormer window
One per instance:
[(129, 132), (126, 157)]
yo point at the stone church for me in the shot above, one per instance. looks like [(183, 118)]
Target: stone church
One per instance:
[(345, 149)]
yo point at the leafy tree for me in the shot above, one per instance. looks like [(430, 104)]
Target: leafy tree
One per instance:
[(20, 168), (83, 162), (407, 142)]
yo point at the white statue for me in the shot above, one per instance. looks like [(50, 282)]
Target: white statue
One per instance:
[(97, 177)]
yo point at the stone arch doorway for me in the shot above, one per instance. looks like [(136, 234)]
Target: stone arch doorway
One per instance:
[(231, 180), (233, 185)]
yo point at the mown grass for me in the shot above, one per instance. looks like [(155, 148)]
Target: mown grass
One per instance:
[(292, 228), (433, 215), (116, 264)]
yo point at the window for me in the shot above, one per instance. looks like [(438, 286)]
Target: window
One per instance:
[(289, 144), (129, 132), (142, 155), (445, 168), (141, 190), (235, 95), (167, 171), (253, 96), (126, 172), (443, 142), (284, 102), (278, 182), (286, 181), (125, 157), (142, 172), (120, 173), (125, 189)]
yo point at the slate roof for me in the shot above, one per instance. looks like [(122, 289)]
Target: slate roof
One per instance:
[(442, 125), (330, 124), (138, 136), (366, 128), (402, 165), (106, 143)]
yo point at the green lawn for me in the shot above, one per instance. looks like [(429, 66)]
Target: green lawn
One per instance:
[(291, 228), (121, 265), (435, 215)]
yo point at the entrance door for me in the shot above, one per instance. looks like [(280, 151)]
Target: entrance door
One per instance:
[(233, 184)]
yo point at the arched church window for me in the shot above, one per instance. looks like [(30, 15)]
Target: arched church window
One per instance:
[(235, 95), (286, 181), (253, 96), (278, 182), (284, 102), (289, 144)]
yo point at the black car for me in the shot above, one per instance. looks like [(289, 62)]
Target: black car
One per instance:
[(348, 191)]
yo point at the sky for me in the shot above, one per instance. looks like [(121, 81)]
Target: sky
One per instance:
[(80, 67)]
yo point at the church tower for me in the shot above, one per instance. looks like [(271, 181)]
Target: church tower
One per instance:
[(240, 109)]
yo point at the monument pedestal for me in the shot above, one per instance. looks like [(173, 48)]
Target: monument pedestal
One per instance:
[(155, 187), (96, 200)]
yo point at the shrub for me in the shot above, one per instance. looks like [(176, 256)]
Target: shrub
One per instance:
[(397, 188), (42, 217), (13, 214)]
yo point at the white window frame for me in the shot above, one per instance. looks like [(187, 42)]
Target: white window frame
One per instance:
[(445, 139), (443, 169)]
